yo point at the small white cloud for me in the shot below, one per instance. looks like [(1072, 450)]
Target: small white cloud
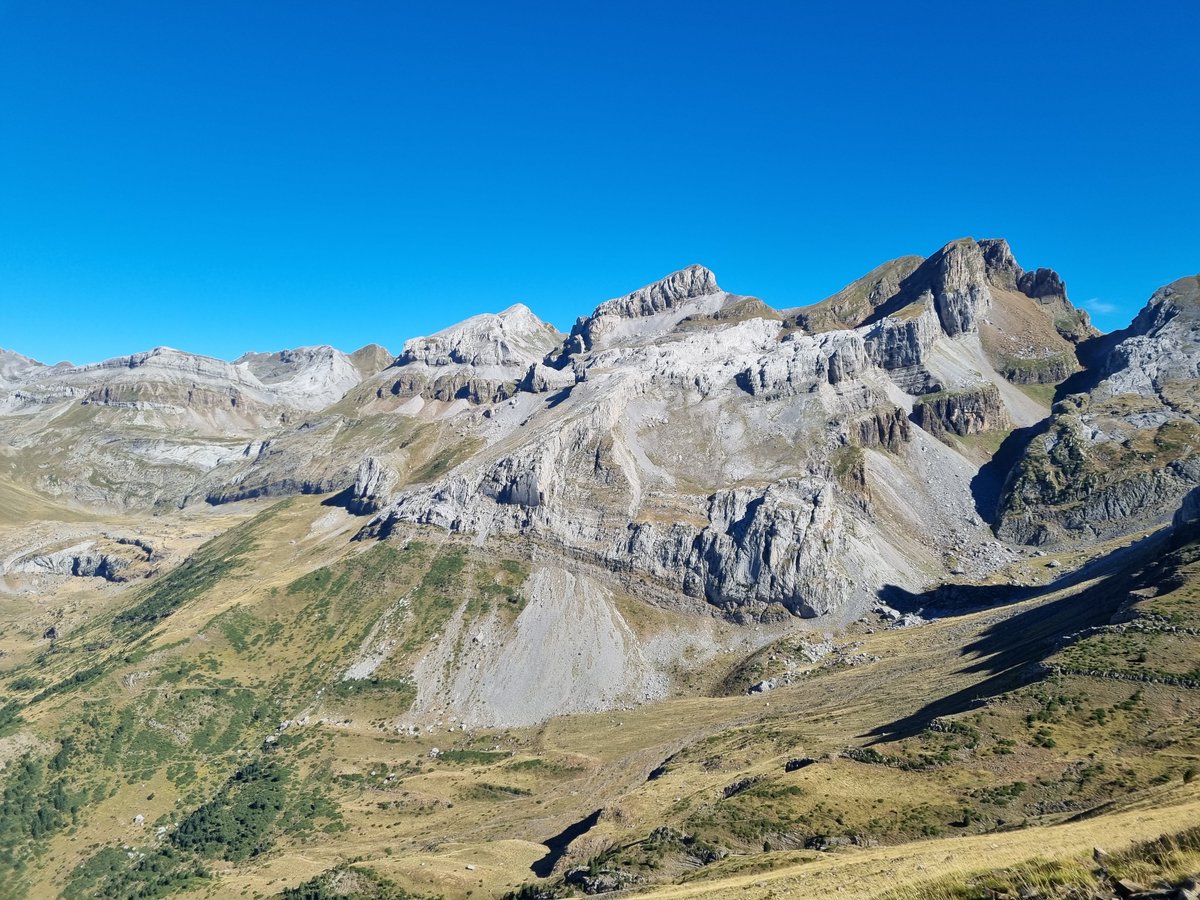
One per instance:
[(1100, 307)]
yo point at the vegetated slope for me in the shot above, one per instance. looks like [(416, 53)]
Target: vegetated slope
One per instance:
[(694, 593), (170, 707), (1105, 722)]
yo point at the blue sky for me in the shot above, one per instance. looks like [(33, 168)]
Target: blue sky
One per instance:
[(223, 176)]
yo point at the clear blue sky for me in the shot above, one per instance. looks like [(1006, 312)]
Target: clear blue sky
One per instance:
[(223, 175)]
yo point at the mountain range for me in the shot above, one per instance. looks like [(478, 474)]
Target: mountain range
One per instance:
[(587, 611)]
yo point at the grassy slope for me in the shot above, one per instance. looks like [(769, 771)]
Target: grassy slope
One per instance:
[(160, 714)]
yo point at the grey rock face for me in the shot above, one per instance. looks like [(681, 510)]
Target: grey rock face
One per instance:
[(902, 343), (783, 546), (513, 338), (512, 484), (481, 360), (884, 428), (1041, 284), (959, 286), (669, 293), (1163, 343), (805, 362), (1086, 476), (970, 411), (663, 296), (1000, 264), (372, 488), (113, 559)]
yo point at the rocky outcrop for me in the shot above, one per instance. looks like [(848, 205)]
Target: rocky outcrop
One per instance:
[(1002, 271), (1162, 345), (1000, 266), (80, 564), (112, 559), (959, 286), (274, 487), (1042, 284), (1059, 514), (460, 384), (1050, 369), (1122, 456), (971, 411), (784, 546), (514, 338), (901, 344), (903, 341), (482, 360), (953, 283), (803, 363), (668, 295), (1189, 510), (541, 379), (372, 488), (513, 483), (885, 429)]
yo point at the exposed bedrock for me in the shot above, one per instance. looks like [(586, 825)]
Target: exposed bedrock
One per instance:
[(963, 412), (372, 488)]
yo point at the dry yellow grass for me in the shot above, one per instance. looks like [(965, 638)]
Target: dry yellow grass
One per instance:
[(604, 759), (868, 873)]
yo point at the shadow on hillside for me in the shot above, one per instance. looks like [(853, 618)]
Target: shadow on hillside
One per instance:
[(1009, 651), (557, 845), (987, 486), (948, 600), (988, 482)]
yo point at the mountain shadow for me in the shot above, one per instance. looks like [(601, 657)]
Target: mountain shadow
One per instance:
[(1009, 653)]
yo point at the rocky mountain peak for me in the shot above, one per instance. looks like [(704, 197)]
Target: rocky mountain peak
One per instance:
[(514, 337), (14, 367), (371, 359), (1178, 298), (1005, 273), (665, 294), (283, 364), (1042, 284), (958, 281), (680, 289), (1001, 266), (1160, 351)]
